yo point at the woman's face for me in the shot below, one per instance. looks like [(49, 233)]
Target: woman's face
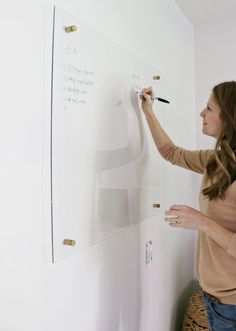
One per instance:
[(211, 118)]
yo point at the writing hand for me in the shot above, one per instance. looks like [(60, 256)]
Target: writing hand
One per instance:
[(145, 96)]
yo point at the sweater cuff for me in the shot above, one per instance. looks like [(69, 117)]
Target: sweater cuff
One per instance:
[(232, 246)]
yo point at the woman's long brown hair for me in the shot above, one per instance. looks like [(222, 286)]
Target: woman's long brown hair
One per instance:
[(221, 167)]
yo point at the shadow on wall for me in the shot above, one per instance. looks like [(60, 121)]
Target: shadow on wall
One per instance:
[(120, 297), (181, 305)]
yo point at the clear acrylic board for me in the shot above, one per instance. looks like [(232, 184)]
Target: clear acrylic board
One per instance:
[(106, 173)]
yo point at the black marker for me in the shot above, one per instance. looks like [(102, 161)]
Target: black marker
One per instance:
[(160, 99), (156, 98)]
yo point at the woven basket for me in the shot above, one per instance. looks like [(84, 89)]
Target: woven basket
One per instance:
[(196, 316)]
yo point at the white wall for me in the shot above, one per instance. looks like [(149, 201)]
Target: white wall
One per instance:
[(215, 63), (106, 287)]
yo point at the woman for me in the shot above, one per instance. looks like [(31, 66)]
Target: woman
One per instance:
[(216, 220)]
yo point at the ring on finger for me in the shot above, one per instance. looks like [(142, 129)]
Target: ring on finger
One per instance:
[(173, 219), (178, 221)]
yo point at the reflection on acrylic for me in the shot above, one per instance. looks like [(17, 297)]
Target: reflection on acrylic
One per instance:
[(123, 190)]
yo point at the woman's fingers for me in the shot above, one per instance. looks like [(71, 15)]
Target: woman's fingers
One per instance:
[(147, 90), (144, 96)]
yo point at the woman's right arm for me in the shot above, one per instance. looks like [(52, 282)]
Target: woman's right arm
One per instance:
[(192, 160)]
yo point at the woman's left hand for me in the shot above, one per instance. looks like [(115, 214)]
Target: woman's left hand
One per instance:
[(180, 216)]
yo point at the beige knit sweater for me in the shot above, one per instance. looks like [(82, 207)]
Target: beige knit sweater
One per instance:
[(216, 267)]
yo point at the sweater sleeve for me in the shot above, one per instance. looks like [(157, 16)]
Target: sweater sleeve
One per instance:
[(192, 160), (232, 246)]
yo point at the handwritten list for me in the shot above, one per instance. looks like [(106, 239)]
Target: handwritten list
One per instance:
[(77, 81)]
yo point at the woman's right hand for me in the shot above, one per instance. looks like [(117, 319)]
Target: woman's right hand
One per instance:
[(147, 102)]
